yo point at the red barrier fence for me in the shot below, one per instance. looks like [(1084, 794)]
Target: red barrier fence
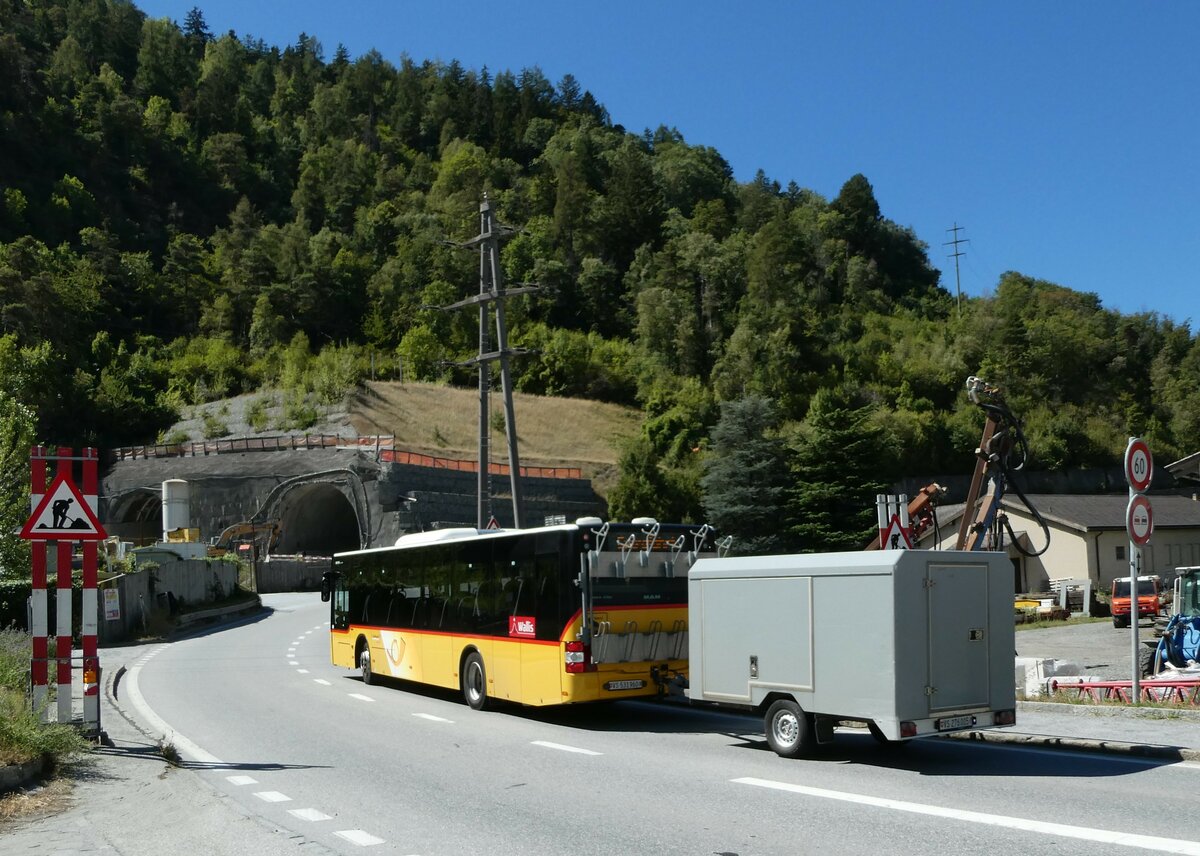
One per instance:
[(417, 460), (383, 445), (1150, 690)]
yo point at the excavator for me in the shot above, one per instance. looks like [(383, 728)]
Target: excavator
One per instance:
[(264, 536)]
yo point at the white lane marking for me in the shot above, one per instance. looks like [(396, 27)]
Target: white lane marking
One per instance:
[(1102, 836), (322, 682), (432, 718), (302, 671), (272, 796), (309, 814), (291, 650), (357, 836), (293, 662), (361, 697), (563, 748), (241, 780), (186, 747)]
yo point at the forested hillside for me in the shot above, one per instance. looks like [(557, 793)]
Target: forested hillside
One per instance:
[(188, 216)]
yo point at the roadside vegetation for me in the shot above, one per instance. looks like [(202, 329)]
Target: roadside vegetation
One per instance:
[(23, 737), (189, 216)]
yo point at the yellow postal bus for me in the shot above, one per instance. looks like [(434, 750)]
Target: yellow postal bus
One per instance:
[(560, 614)]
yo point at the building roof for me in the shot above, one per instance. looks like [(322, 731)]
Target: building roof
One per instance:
[(1089, 512), (1186, 468), (1093, 512)]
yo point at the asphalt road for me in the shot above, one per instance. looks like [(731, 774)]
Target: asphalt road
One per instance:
[(263, 718)]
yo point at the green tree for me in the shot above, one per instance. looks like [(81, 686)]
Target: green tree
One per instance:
[(746, 477), (17, 435), (836, 470)]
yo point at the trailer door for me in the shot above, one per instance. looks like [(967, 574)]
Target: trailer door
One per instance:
[(958, 636)]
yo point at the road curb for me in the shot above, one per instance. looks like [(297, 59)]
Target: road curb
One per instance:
[(18, 775), (1080, 744)]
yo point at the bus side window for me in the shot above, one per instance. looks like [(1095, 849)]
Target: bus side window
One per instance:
[(341, 607)]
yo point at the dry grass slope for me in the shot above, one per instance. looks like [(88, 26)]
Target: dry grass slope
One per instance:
[(444, 421)]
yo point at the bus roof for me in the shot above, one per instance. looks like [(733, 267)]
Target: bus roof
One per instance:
[(458, 533)]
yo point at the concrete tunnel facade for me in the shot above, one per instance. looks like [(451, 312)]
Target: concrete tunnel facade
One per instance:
[(323, 500)]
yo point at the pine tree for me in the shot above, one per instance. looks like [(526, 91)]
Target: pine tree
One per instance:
[(837, 466), (746, 477)]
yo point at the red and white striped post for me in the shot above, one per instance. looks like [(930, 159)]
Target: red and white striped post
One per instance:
[(91, 605), (63, 608), (39, 664), (48, 521)]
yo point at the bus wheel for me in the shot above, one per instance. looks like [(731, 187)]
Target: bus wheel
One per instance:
[(474, 682), (788, 730), (364, 663)]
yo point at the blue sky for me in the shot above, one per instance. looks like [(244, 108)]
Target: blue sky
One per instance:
[(1063, 137)]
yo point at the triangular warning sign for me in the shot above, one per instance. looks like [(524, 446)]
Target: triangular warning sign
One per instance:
[(63, 515), (896, 536), (493, 523)]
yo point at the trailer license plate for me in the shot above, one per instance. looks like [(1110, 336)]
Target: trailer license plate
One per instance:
[(953, 723), (624, 685)]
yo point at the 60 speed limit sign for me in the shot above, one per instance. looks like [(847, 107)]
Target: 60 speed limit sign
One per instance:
[(1139, 465), (1139, 520)]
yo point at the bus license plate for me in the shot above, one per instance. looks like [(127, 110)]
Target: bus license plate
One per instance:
[(953, 723), (624, 685)]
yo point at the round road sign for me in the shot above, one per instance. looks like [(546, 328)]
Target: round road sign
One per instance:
[(1139, 520), (1139, 465)]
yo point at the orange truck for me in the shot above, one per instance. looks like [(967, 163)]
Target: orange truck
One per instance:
[(1147, 599)]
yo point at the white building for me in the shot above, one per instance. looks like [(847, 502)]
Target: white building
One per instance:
[(1087, 538)]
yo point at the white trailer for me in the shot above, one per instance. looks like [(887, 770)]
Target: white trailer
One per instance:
[(910, 642)]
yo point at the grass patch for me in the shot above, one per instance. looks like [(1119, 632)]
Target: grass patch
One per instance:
[(23, 737), (562, 432), (1046, 622)]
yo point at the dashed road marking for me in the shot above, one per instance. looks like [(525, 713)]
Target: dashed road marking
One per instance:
[(357, 836), (361, 697), (432, 718), (563, 748), (241, 780), (272, 796), (309, 814), (322, 682), (1102, 836), (293, 662), (302, 671)]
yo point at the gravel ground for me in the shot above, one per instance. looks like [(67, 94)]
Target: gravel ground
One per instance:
[(1097, 647)]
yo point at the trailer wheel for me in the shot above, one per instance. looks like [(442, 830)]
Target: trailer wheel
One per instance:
[(788, 730), (474, 682)]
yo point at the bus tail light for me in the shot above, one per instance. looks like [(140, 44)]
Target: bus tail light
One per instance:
[(908, 729), (1006, 717), (578, 658)]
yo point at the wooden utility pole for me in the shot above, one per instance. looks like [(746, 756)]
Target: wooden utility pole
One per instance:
[(492, 291)]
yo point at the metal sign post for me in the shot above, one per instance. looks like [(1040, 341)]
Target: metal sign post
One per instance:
[(1139, 523)]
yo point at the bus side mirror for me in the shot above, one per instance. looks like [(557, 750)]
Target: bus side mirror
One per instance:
[(326, 588)]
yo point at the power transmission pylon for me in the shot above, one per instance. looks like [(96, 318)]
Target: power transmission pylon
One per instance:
[(955, 255), (491, 291)]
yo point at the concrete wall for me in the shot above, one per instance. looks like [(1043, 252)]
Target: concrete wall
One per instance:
[(291, 573), (143, 593)]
